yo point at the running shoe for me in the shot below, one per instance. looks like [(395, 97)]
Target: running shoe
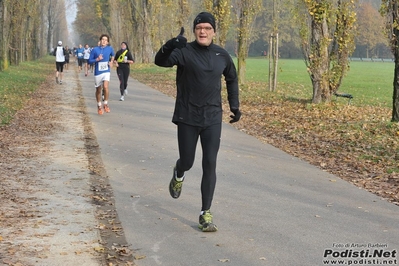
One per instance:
[(122, 98), (106, 108), (175, 186), (100, 110), (56, 80), (205, 222), (60, 82), (125, 92)]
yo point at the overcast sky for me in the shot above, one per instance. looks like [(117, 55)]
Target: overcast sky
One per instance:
[(70, 12)]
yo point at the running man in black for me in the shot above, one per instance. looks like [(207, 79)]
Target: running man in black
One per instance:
[(198, 107), (123, 60)]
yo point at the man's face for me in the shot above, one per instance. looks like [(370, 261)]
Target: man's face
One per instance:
[(104, 41), (204, 34)]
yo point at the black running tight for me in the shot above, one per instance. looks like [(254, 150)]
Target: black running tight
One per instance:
[(187, 137), (123, 74)]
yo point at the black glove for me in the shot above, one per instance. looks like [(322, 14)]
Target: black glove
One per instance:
[(236, 116), (179, 42)]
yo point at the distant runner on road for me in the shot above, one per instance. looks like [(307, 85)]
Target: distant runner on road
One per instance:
[(79, 55), (123, 59), (59, 53)]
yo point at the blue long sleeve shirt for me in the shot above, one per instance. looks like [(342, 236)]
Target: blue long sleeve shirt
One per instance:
[(101, 66)]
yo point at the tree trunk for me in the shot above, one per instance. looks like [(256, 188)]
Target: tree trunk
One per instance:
[(50, 27), (320, 64), (141, 21), (270, 55), (273, 50), (242, 51), (241, 69), (273, 61), (243, 35), (4, 36), (395, 98), (147, 45), (395, 109), (327, 43)]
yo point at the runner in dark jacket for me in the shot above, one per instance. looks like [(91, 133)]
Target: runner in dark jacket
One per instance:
[(123, 59), (198, 107)]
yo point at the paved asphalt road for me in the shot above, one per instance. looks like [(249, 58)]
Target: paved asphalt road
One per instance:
[(271, 208)]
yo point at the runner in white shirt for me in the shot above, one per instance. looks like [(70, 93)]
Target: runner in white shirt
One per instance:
[(86, 55), (59, 53)]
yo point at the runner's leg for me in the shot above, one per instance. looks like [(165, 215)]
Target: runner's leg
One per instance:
[(210, 142), (187, 138)]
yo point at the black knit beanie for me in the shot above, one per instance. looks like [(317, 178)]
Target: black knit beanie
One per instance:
[(127, 46), (205, 17)]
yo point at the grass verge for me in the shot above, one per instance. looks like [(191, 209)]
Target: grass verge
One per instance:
[(17, 84)]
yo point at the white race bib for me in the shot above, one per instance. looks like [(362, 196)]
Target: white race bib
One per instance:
[(102, 66)]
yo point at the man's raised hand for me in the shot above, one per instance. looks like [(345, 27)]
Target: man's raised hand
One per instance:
[(176, 43), (180, 41)]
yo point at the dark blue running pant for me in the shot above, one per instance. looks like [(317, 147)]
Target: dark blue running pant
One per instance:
[(187, 137)]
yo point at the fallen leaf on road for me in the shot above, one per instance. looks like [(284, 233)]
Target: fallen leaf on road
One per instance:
[(99, 249), (110, 257), (139, 257)]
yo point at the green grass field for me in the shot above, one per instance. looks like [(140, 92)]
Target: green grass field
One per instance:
[(371, 83)]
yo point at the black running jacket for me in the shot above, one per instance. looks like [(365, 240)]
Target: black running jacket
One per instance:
[(198, 80)]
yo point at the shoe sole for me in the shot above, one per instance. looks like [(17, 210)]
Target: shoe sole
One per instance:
[(209, 228)]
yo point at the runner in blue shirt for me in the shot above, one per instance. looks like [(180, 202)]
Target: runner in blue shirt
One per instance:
[(102, 56), (79, 55)]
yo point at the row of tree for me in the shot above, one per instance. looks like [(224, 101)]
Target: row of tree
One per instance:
[(325, 30), (29, 28), (369, 39)]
